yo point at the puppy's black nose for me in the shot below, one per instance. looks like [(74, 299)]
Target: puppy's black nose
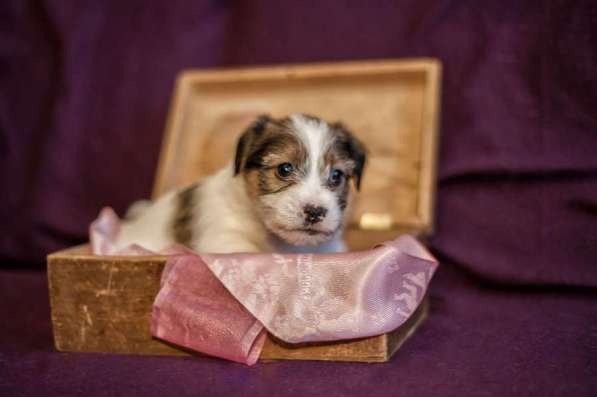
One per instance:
[(314, 214)]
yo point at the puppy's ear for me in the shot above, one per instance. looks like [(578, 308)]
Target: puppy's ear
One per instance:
[(247, 139), (354, 149)]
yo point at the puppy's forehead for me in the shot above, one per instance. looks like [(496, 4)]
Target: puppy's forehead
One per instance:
[(326, 144), (307, 141), (312, 131), (306, 134)]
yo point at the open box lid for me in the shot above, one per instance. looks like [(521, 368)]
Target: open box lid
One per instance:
[(391, 105)]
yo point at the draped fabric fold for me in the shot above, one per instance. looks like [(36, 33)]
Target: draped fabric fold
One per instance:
[(218, 304), (194, 310), (326, 297)]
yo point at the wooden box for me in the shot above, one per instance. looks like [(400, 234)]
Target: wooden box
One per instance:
[(103, 304)]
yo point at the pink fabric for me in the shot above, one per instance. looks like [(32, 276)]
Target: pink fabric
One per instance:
[(325, 297), (103, 233), (193, 309), (297, 297)]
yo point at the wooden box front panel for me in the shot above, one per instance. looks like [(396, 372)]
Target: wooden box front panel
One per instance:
[(103, 304)]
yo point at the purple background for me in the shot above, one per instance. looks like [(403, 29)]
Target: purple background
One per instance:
[(84, 92)]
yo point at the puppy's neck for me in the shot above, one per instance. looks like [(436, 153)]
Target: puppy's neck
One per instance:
[(336, 244)]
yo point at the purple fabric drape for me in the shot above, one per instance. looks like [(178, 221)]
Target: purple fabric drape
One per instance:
[(86, 87), (84, 92)]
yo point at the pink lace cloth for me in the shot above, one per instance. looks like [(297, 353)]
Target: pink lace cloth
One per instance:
[(217, 303)]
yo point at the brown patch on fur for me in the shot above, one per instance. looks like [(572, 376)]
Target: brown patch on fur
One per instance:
[(263, 150), (182, 222), (346, 153), (343, 195), (335, 159)]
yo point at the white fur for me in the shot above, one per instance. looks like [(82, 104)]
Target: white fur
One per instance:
[(149, 225)]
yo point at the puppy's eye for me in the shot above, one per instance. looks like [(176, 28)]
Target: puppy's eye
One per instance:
[(336, 177), (285, 170)]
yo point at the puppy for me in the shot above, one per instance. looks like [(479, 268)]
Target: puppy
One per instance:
[(287, 190)]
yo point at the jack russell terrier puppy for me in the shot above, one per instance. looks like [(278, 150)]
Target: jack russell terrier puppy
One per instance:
[(287, 191)]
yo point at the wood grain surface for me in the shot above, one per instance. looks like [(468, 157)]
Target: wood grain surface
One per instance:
[(103, 304)]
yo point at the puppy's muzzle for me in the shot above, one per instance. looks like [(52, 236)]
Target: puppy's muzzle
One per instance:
[(314, 214)]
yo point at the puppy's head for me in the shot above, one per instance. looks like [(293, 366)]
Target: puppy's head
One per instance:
[(297, 171)]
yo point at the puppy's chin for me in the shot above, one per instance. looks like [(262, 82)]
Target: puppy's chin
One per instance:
[(302, 237)]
